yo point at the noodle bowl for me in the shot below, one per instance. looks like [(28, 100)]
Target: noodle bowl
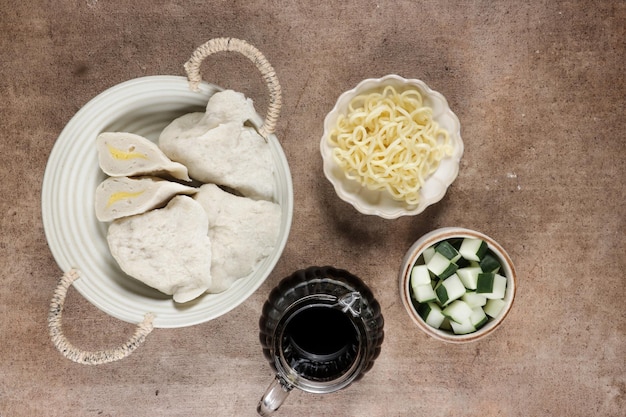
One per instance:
[(391, 152), (389, 141)]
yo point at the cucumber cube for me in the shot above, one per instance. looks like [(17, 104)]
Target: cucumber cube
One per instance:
[(447, 250), (449, 289), (431, 313), (489, 263), (428, 254), (469, 276), (449, 271), (484, 284), (442, 293), (494, 307), (462, 328), (420, 275), (445, 325), (498, 288), (473, 249), (458, 311), (478, 318), (441, 266), (462, 262), (424, 293), (474, 299)]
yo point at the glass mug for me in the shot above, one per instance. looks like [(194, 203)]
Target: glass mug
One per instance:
[(321, 329)]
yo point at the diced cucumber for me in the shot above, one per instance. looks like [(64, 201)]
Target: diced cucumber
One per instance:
[(420, 275), (499, 288), (491, 285), (469, 276), (441, 266), (462, 262), (474, 299), (484, 283), (445, 325), (478, 318), (424, 293), (462, 328), (447, 250), (449, 271), (449, 289), (431, 313), (428, 254), (457, 311), (489, 263), (473, 249), (457, 285), (494, 307)]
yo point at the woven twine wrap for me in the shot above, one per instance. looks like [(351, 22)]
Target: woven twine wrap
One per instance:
[(237, 45), (192, 67), (78, 355)]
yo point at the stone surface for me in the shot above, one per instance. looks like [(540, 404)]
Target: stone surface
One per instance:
[(540, 92)]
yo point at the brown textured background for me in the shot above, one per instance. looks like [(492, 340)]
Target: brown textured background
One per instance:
[(539, 89)]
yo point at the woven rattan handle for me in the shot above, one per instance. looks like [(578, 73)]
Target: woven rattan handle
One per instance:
[(85, 357), (237, 45)]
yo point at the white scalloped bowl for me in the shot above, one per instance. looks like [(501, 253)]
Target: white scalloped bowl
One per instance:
[(439, 235), (78, 240), (380, 203)]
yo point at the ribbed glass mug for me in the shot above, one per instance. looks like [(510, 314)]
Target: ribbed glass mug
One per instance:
[(321, 329)]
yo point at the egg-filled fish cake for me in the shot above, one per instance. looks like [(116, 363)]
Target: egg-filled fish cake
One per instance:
[(122, 154), (118, 197)]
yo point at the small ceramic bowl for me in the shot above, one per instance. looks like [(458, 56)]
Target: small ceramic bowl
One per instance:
[(434, 237), (380, 203)]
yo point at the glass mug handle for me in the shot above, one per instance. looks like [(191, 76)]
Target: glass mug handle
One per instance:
[(274, 396)]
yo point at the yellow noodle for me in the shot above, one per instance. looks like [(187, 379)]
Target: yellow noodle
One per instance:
[(389, 141)]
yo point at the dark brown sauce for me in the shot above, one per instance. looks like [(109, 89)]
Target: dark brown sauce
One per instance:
[(320, 342)]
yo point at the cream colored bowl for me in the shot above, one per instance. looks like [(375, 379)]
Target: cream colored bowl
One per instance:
[(429, 239), (78, 240), (380, 203)]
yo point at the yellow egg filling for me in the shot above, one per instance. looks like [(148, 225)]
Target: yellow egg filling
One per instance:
[(125, 155), (121, 195)]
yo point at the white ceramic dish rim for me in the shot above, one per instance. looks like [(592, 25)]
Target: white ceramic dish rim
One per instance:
[(376, 202), (438, 235), (74, 235)]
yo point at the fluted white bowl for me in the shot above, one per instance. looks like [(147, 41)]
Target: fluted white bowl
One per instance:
[(78, 240), (381, 203)]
